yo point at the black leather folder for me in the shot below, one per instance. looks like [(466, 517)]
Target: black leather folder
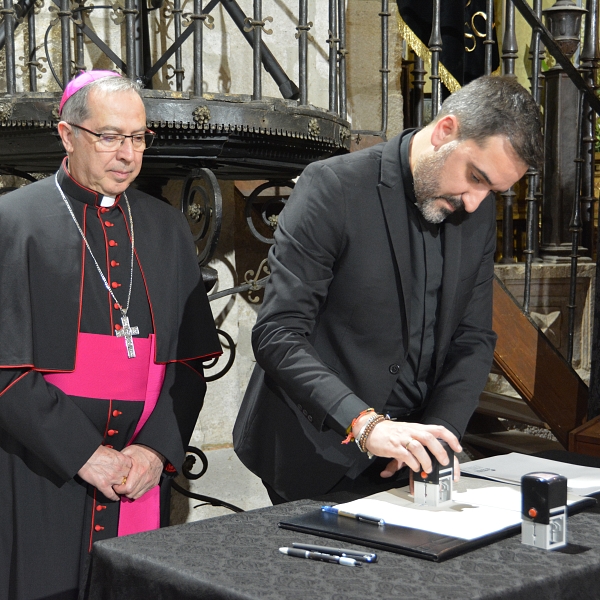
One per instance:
[(403, 540)]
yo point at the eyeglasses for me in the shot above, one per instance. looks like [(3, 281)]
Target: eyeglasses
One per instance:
[(108, 142)]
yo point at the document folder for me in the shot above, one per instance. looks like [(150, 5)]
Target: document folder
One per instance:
[(411, 541)]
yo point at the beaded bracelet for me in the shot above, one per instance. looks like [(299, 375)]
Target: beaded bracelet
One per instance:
[(350, 438), (362, 431), (366, 432)]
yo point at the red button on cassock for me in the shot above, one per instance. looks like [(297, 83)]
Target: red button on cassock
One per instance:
[(104, 210), (532, 513), (100, 507), (98, 528), (108, 224), (112, 432), (115, 285), (117, 306), (114, 263), (112, 243), (116, 413), (118, 327)]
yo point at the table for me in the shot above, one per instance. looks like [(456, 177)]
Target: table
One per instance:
[(236, 557)]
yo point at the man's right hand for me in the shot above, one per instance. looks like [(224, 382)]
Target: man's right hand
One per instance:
[(105, 468), (405, 443)]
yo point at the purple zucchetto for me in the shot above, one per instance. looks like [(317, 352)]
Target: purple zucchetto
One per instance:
[(81, 81)]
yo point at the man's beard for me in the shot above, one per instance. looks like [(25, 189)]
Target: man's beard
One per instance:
[(427, 184)]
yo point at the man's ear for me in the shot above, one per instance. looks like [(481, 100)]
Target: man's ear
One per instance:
[(66, 135), (445, 130)]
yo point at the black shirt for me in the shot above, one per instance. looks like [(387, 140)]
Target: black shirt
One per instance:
[(426, 262)]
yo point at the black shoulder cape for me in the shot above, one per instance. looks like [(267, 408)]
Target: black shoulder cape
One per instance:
[(41, 255)]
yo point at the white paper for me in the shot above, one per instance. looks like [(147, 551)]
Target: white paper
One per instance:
[(509, 468), (471, 514), (463, 518)]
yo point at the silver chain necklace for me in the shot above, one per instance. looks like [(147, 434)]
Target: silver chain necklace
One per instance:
[(126, 331)]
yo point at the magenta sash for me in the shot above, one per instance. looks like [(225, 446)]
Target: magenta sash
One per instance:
[(103, 370)]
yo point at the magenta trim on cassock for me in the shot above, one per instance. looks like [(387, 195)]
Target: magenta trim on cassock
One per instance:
[(103, 371)]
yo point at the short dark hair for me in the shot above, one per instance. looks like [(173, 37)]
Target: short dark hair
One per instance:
[(498, 105)]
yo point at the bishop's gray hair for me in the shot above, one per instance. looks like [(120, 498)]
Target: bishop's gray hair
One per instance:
[(76, 110), (494, 105)]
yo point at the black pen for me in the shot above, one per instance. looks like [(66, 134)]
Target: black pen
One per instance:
[(355, 554), (340, 560)]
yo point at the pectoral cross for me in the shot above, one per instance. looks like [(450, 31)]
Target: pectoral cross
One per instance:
[(126, 332)]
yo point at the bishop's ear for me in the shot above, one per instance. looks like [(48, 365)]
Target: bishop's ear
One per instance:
[(66, 135), (445, 130)]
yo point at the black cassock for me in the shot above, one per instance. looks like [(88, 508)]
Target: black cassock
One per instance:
[(49, 517)]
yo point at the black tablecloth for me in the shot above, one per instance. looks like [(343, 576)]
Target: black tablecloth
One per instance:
[(236, 557)]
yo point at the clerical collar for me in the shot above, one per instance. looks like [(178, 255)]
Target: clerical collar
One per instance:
[(407, 176), (75, 190)]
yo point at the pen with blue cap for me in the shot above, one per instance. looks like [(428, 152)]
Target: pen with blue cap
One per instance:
[(357, 516)]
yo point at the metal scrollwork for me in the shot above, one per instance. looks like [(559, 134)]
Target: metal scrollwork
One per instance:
[(253, 281), (168, 9), (479, 13), (118, 15), (32, 63), (472, 37), (331, 40), (268, 215), (10, 12), (201, 115), (250, 24), (174, 71), (186, 469), (302, 28), (208, 20), (202, 204), (190, 461), (230, 344), (58, 13)]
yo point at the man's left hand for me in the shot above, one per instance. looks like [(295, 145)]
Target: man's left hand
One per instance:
[(145, 472)]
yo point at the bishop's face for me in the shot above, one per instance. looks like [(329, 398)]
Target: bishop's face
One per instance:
[(461, 173), (109, 173)]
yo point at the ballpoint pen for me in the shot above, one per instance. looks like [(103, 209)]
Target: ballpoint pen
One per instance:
[(357, 516), (340, 560), (360, 555)]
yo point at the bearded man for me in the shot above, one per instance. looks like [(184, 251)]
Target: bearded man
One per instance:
[(380, 301), (104, 323)]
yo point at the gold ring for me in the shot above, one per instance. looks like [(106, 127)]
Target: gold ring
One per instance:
[(408, 444), (124, 480)]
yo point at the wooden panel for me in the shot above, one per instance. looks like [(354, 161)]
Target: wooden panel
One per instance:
[(506, 407), (535, 369), (586, 438)]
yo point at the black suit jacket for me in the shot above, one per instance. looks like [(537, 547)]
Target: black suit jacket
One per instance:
[(334, 321)]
